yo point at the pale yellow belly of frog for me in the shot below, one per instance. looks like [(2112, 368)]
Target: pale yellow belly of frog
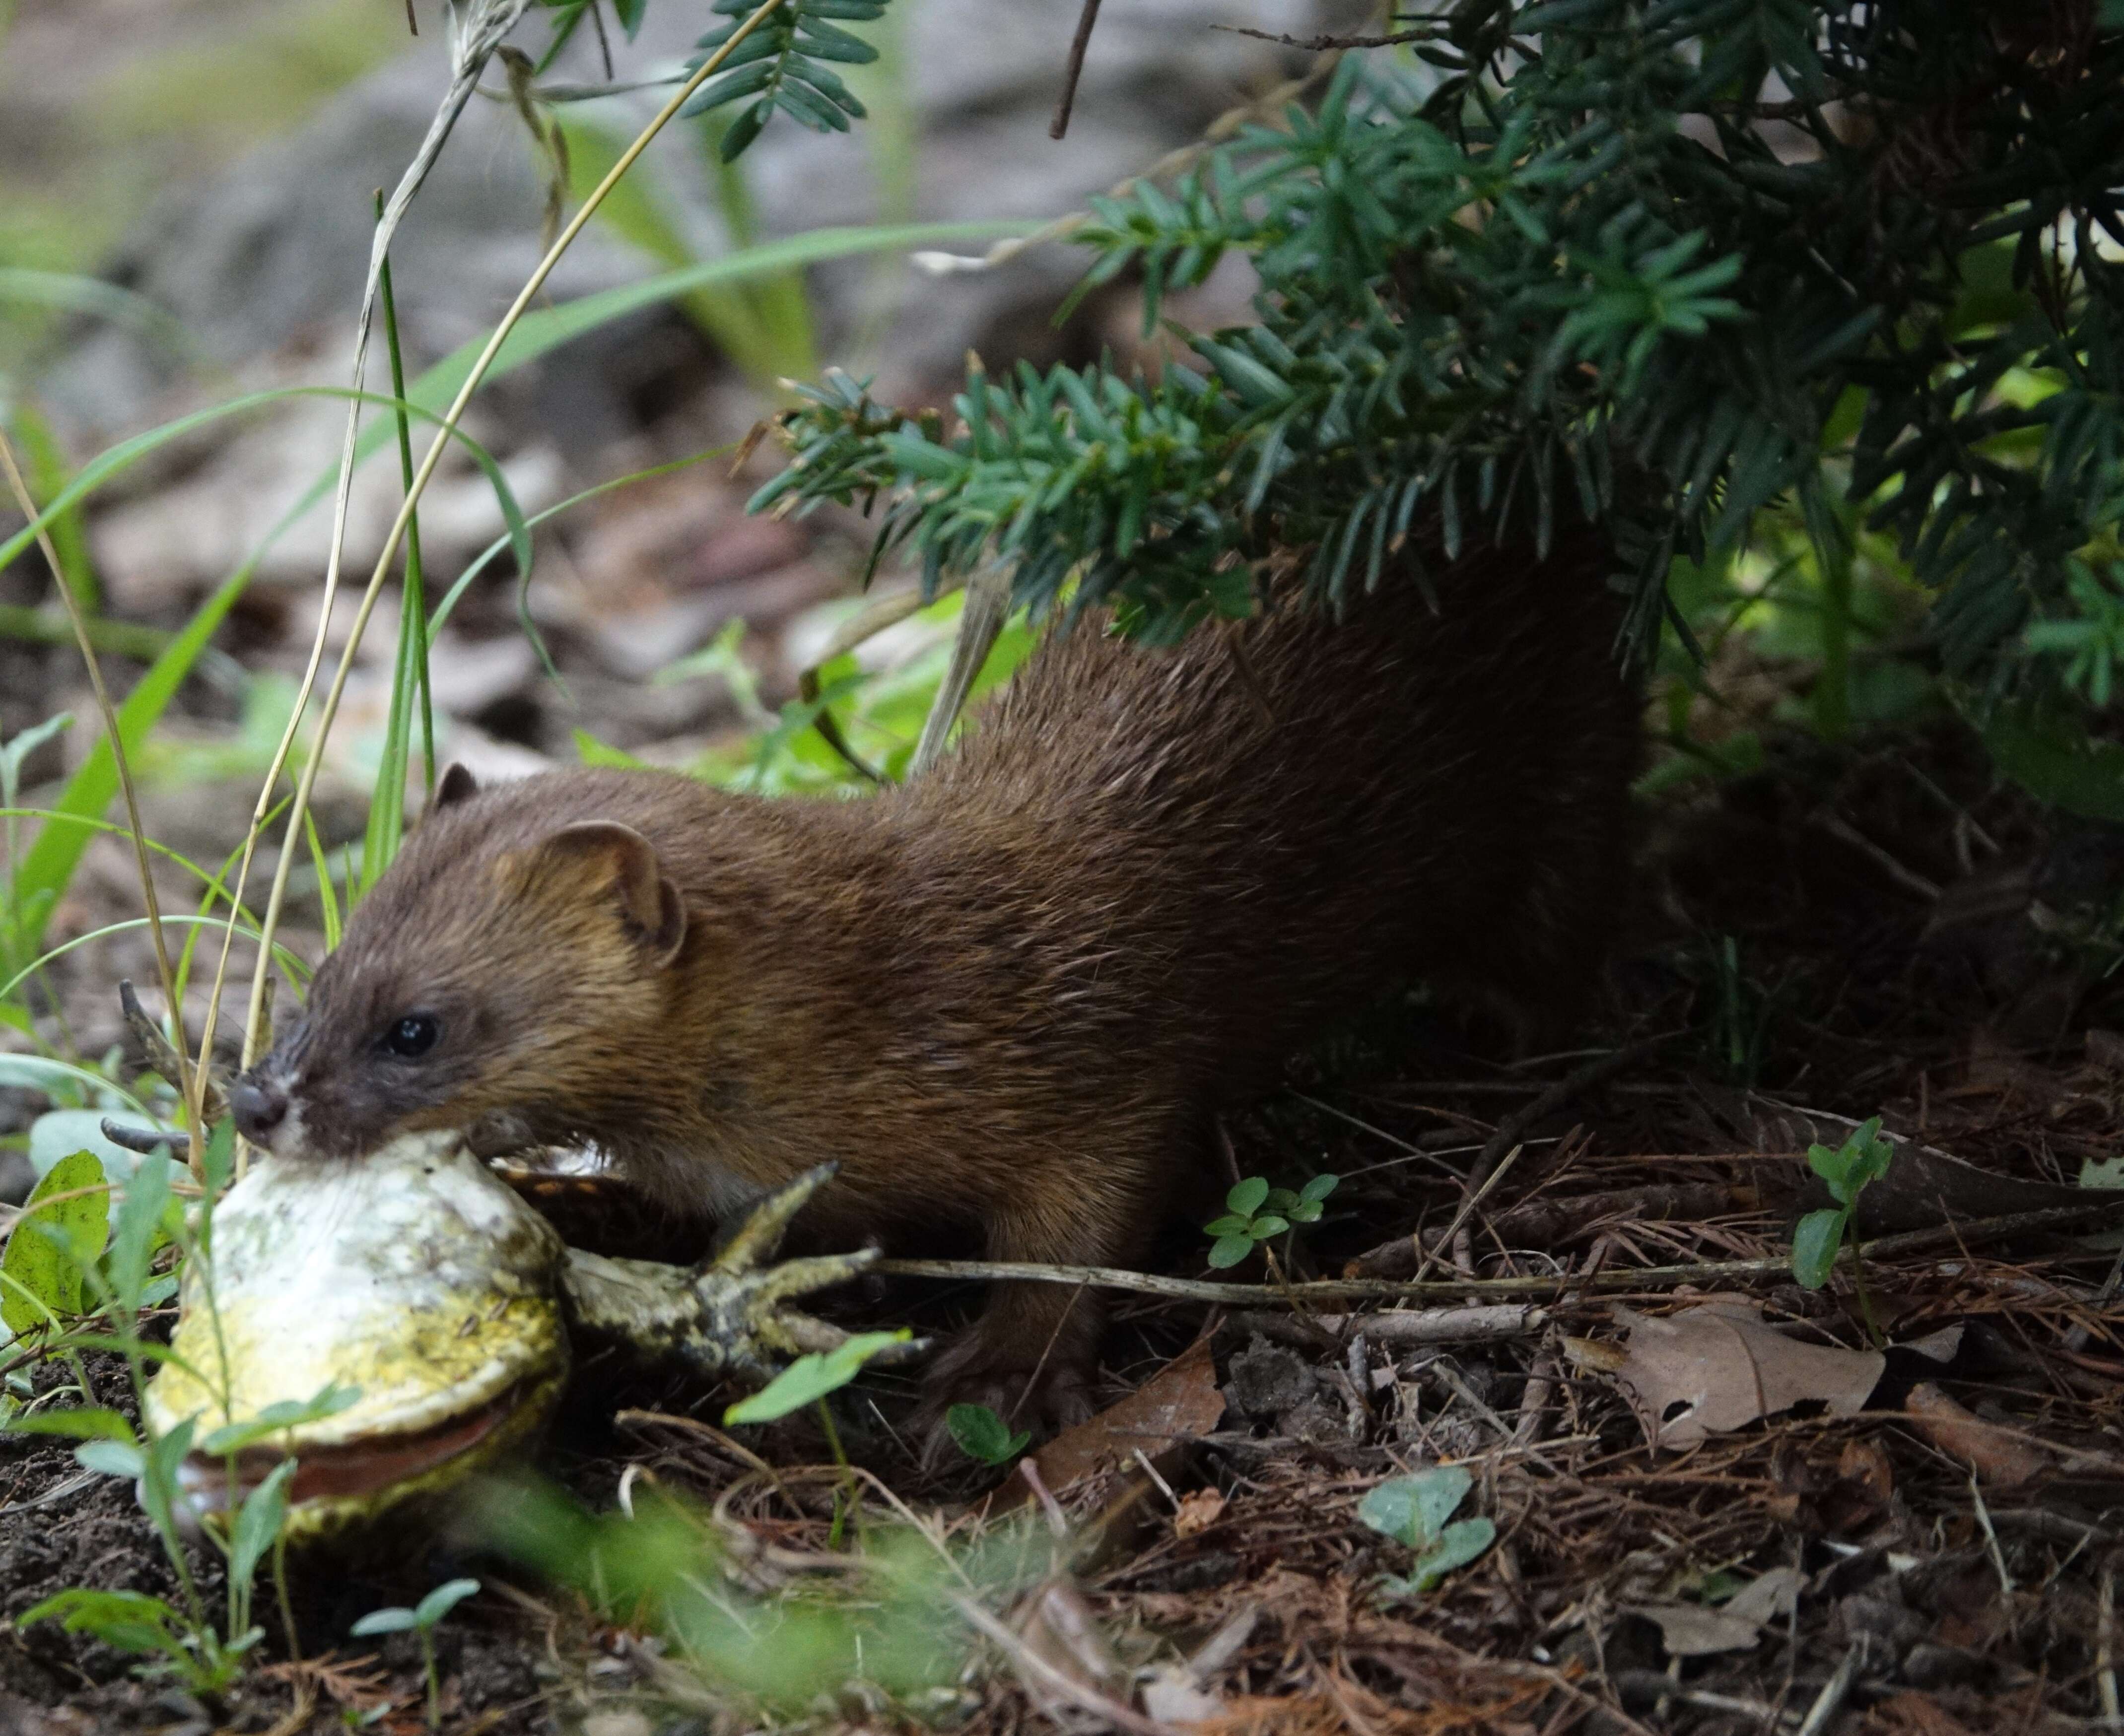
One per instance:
[(418, 1277)]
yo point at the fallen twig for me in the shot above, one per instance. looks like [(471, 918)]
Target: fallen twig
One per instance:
[(1482, 1323), (1549, 1288)]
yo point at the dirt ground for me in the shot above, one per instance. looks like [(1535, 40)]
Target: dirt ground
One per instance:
[(1852, 932)]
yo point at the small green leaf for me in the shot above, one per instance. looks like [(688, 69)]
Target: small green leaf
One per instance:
[(1280, 1201), (1306, 1211), (276, 1418), (1413, 1509), (113, 1458), (1229, 1250), (2109, 1173), (1829, 1164), (90, 1423), (395, 1621), (1457, 1545), (1247, 1197), (1318, 1189), (1262, 1227), (442, 1600), (130, 1621), (811, 1377), (258, 1522), (1231, 1225), (137, 1220), (219, 1163), (1816, 1239), (982, 1435)]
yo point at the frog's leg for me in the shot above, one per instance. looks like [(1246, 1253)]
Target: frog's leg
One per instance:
[(729, 1316)]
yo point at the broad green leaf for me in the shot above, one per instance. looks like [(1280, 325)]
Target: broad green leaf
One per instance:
[(1816, 1239), (1267, 1225), (1318, 1189), (60, 1233), (811, 1377), (1229, 1250), (1247, 1197), (1228, 1225)]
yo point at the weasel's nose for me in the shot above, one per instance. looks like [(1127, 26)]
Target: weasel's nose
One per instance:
[(258, 1108)]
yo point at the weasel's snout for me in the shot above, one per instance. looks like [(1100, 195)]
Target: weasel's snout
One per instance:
[(259, 1106)]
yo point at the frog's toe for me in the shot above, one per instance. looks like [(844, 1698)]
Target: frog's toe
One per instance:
[(761, 1233), (816, 1272)]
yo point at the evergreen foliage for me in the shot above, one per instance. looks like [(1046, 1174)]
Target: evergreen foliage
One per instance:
[(780, 66), (1658, 262)]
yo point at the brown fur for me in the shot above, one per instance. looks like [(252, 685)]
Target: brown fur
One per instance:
[(1009, 995)]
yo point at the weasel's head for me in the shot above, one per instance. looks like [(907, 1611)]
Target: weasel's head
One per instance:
[(512, 957)]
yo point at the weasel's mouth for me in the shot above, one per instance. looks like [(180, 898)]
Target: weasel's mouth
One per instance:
[(349, 1470)]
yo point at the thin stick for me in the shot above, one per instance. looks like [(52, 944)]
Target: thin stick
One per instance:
[(1611, 1277), (2105, 1648), (1075, 69), (445, 430), (169, 977), (1467, 1210), (1829, 1701)]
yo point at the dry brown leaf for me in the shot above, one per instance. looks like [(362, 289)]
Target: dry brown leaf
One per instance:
[(1168, 1412), (1697, 1629), (1718, 1367), (1199, 1509), (1596, 1356), (1998, 1456)]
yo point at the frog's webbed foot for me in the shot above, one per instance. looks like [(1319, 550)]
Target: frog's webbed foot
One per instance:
[(730, 1315)]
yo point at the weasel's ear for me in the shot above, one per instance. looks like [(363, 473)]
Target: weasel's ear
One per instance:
[(617, 861), (456, 785)]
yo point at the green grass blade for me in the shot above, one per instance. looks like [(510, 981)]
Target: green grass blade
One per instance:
[(550, 327), (409, 674), (48, 476), (68, 293), (48, 864)]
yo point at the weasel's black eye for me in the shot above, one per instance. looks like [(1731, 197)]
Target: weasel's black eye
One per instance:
[(413, 1035)]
